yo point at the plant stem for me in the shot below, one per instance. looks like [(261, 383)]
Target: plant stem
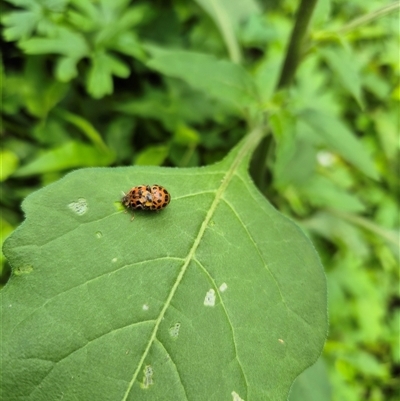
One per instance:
[(294, 49), (258, 168), (389, 235), (365, 19)]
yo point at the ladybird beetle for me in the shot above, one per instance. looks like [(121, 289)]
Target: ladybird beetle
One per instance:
[(147, 197)]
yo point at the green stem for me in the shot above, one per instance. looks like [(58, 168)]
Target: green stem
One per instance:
[(389, 235), (367, 18), (258, 168), (294, 49), (84, 126)]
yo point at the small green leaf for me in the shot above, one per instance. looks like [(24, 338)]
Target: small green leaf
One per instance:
[(344, 66), (152, 156), (128, 43), (217, 296), (186, 136), (5, 230), (67, 156), (87, 8), (338, 137), (66, 69), (9, 163), (118, 68), (99, 82), (218, 78), (66, 42), (118, 22), (21, 24)]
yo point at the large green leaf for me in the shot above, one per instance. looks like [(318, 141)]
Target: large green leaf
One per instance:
[(217, 297), (312, 385)]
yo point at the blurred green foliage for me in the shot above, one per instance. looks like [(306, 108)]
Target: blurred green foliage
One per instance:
[(91, 83)]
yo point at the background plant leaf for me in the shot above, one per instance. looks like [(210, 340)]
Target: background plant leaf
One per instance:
[(100, 81), (227, 14), (216, 296), (344, 65), (66, 156), (65, 41), (21, 24), (9, 163), (337, 136), (152, 156), (218, 78)]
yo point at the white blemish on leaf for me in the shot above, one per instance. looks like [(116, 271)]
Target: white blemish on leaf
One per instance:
[(235, 396), (147, 377), (24, 269), (281, 341), (209, 299), (223, 287), (325, 158), (113, 260), (99, 234), (174, 330), (79, 207), (145, 307)]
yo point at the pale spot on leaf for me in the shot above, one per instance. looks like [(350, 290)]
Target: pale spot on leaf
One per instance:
[(79, 207), (235, 396), (147, 377), (223, 287), (174, 330), (209, 299)]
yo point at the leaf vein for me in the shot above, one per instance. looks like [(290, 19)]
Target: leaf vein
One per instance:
[(250, 142), (175, 366), (257, 249), (227, 317)]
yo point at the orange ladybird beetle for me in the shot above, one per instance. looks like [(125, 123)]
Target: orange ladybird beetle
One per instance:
[(146, 197)]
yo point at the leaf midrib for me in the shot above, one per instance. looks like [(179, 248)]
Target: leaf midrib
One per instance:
[(247, 146)]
